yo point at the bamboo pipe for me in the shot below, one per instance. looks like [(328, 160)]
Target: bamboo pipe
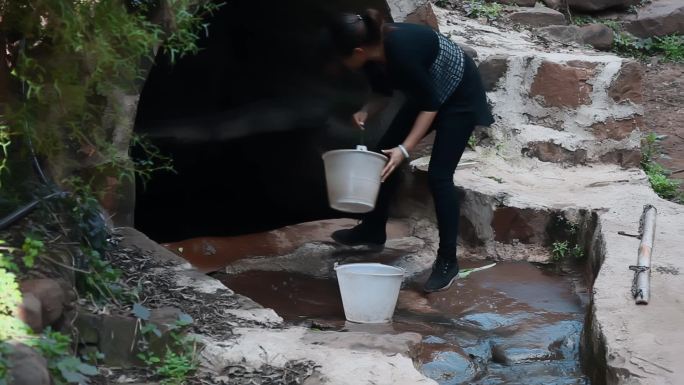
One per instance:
[(641, 285)]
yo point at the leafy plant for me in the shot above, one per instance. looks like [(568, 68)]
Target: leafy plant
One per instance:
[(31, 248), (480, 9), (472, 142), (5, 350), (76, 71), (180, 357), (658, 176), (672, 47), (64, 367), (577, 252), (559, 251)]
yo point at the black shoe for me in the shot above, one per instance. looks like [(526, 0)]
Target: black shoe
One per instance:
[(444, 273), (361, 235)]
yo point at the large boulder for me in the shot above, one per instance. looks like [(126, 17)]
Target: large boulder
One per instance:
[(401, 9), (662, 17), (599, 5), (537, 17)]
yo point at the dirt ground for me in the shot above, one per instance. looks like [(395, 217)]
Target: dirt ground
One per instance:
[(664, 111)]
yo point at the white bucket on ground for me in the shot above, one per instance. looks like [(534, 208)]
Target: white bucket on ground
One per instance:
[(369, 291), (353, 179)]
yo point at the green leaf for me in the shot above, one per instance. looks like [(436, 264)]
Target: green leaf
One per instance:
[(88, 370), (141, 312)]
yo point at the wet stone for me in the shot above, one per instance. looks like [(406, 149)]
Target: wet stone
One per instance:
[(449, 368)]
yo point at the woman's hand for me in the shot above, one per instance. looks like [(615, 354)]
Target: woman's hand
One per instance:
[(359, 119), (395, 158)]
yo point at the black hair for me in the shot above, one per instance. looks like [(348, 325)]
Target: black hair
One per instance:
[(351, 30)]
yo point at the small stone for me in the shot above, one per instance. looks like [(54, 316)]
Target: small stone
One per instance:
[(31, 313), (598, 36), (492, 69), (626, 87), (552, 152), (51, 296), (27, 367), (537, 17), (566, 34), (424, 15)]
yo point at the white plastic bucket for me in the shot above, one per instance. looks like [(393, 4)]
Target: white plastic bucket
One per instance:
[(353, 179), (369, 291)]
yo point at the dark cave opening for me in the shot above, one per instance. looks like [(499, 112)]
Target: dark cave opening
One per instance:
[(245, 121)]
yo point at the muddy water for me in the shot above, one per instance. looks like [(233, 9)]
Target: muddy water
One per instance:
[(516, 323), (209, 254)]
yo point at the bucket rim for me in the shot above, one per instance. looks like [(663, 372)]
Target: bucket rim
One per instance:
[(400, 271), (372, 153)]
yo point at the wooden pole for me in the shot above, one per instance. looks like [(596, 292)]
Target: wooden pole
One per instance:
[(641, 286)]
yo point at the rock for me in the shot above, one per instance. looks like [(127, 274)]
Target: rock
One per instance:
[(659, 18), (51, 296), (626, 87), (470, 51), (563, 85), (31, 313), (567, 34), (524, 225), (492, 69), (520, 3), (554, 4), (627, 158), (449, 368), (425, 15), (599, 5), (598, 36), (552, 152), (27, 367), (401, 9), (537, 17), (617, 129)]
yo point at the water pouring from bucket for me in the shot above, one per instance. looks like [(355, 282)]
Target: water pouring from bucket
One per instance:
[(353, 179)]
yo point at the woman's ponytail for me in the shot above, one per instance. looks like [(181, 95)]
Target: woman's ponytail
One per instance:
[(372, 21), (350, 30)]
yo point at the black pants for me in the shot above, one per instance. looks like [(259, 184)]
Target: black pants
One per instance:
[(453, 127)]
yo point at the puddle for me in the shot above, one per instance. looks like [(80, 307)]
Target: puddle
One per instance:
[(209, 254), (515, 323)]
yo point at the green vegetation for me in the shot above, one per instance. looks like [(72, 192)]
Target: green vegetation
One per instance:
[(559, 251), (480, 9), (671, 47), (658, 176), (180, 356), (73, 70), (472, 142)]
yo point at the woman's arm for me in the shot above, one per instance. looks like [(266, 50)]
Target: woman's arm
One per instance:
[(375, 104), (420, 128)]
